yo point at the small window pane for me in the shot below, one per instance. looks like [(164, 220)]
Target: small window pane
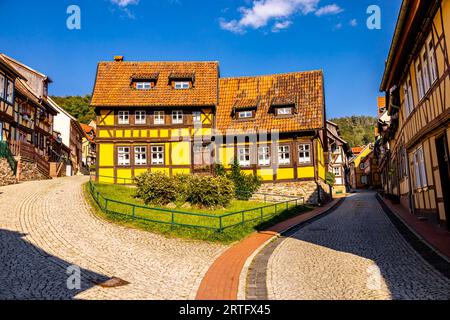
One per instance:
[(197, 117), (2, 86), (143, 85), (284, 155), (181, 85), (284, 111), (140, 117), (177, 117), (124, 117), (264, 156), (9, 91), (158, 155), (140, 155), (304, 153), (159, 117), (245, 114), (123, 156), (244, 156)]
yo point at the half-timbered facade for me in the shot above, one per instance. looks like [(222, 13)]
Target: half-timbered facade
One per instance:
[(414, 149), (182, 118), (338, 154)]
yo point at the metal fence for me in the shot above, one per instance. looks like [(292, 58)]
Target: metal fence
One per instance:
[(171, 217)]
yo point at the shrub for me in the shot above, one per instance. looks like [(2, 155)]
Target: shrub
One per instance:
[(156, 188), (330, 178), (245, 184), (210, 191)]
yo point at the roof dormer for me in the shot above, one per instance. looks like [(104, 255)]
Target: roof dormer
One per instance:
[(182, 80)]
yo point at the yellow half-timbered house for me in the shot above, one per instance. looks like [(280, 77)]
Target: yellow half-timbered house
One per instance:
[(414, 148), (182, 118)]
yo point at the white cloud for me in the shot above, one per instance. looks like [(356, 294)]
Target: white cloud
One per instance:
[(329, 10), (353, 22), (125, 3), (263, 12)]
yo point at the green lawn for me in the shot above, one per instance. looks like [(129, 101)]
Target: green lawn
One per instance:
[(193, 223)]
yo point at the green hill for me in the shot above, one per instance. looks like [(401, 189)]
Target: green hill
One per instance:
[(357, 130), (77, 106)]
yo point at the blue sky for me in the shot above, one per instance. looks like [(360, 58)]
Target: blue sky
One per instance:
[(248, 38)]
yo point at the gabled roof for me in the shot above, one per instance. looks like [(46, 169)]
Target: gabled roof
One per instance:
[(87, 130), (18, 64), (304, 89), (9, 68), (113, 84)]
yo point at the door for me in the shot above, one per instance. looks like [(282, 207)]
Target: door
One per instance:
[(444, 171), (203, 159)]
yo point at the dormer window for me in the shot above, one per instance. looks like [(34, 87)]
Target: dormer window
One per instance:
[(248, 114), (285, 111), (181, 85), (143, 85)]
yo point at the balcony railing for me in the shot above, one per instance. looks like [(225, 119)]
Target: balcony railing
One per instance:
[(28, 152)]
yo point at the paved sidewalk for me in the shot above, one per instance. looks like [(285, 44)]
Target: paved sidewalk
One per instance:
[(354, 253), (46, 226), (221, 282)]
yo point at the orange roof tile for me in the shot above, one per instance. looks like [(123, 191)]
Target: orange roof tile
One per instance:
[(113, 84), (302, 89)]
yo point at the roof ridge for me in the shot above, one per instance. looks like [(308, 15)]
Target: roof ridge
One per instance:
[(273, 74)]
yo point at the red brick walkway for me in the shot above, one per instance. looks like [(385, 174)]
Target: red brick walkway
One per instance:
[(436, 237), (221, 282)]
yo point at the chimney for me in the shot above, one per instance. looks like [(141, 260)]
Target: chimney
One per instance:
[(118, 58)]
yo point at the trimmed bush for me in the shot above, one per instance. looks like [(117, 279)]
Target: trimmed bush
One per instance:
[(156, 188), (210, 191)]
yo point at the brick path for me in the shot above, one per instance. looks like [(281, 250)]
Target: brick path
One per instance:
[(221, 282), (354, 253), (46, 226)]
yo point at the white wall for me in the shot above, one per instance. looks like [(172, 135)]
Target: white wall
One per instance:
[(61, 123)]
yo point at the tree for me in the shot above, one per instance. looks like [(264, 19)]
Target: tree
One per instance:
[(357, 130), (77, 106)]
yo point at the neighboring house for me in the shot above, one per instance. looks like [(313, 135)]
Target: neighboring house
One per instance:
[(370, 173), (357, 174), (88, 146), (181, 117), (70, 136), (338, 154), (26, 118), (414, 151)]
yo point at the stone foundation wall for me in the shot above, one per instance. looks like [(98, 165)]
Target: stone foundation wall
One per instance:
[(7, 176), (29, 172), (302, 189)]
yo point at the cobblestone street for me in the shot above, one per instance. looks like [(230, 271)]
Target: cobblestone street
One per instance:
[(353, 253), (45, 227)]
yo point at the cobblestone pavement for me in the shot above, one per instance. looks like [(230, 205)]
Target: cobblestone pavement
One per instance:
[(46, 226), (353, 253)]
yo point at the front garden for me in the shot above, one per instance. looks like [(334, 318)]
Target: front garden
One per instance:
[(196, 207)]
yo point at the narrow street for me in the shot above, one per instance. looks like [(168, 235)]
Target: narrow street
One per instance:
[(353, 253), (45, 227)]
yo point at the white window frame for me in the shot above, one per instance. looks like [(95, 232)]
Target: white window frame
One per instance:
[(140, 117), (264, 156), (408, 99), (432, 60), (364, 179), (157, 154), (181, 85), (244, 156), (140, 155), (9, 92), (245, 114), (2, 86), (284, 155), (177, 117), (123, 117), (287, 111), (143, 85), (337, 171), (304, 153), (197, 117), (159, 117), (425, 69), (123, 156), (420, 171), (419, 79)]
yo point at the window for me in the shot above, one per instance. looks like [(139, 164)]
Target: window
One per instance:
[(123, 156), (124, 117), (419, 169), (158, 155), (140, 117), (9, 91), (2, 86), (363, 179), (140, 156), (419, 77), (159, 117), (244, 156), (177, 117), (337, 171), (264, 156), (143, 85), (284, 111), (362, 166), (181, 85), (432, 60), (304, 153), (284, 155), (408, 99), (197, 117), (245, 114), (426, 77)]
